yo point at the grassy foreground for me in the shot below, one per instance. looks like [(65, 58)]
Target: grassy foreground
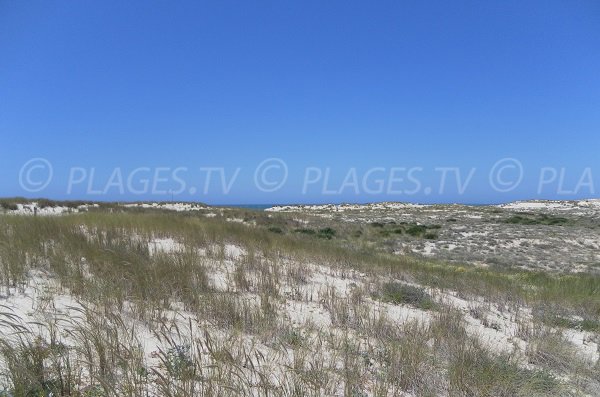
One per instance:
[(179, 304)]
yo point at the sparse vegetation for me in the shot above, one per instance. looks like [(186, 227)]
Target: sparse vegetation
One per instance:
[(310, 232), (141, 302), (275, 229), (326, 233), (539, 219)]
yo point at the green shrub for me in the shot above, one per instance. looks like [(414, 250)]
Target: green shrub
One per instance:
[(405, 294), (9, 206), (326, 233), (310, 232), (542, 219), (473, 372), (179, 362), (416, 230), (357, 233), (554, 318)]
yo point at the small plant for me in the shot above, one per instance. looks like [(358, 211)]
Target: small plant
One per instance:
[(406, 294), (416, 230), (553, 317), (422, 231), (475, 372), (326, 233), (309, 232), (30, 370), (292, 338), (590, 325), (275, 229), (179, 362), (541, 219)]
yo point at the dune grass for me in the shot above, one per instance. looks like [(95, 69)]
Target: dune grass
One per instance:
[(103, 260)]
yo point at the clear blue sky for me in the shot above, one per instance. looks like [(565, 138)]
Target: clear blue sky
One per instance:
[(329, 84)]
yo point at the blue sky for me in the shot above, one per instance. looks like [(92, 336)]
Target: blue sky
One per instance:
[(339, 85)]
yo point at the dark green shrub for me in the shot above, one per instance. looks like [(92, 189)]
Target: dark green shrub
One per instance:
[(416, 230), (326, 233), (542, 219), (310, 232), (9, 206), (405, 294)]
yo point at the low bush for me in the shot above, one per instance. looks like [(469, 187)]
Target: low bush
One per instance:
[(326, 233), (542, 219), (405, 294), (310, 232)]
